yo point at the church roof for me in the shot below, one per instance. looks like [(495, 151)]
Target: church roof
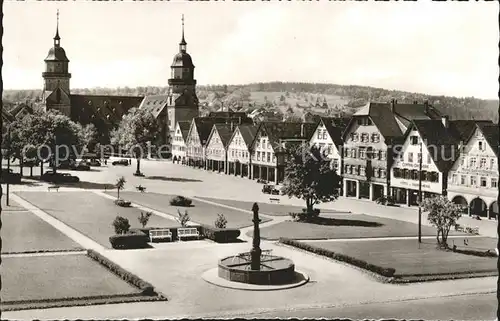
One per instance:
[(57, 54), (182, 59), (155, 103)]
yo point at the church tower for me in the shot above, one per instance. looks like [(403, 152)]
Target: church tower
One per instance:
[(56, 91), (183, 102)]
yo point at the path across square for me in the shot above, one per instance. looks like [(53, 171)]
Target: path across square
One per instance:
[(88, 213), (344, 226), (200, 212), (410, 258), (51, 277), (23, 231)]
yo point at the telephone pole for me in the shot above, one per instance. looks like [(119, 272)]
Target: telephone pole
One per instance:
[(420, 194)]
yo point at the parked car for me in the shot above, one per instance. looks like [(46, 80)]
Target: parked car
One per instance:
[(64, 164), (94, 162), (123, 162), (8, 176), (81, 166), (270, 189), (57, 177)]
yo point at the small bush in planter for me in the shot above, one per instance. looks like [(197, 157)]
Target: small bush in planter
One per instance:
[(144, 218), (181, 201), (123, 203), (121, 225), (221, 221), (133, 239), (183, 219), (220, 235)]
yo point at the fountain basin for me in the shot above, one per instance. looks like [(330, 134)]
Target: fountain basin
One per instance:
[(274, 270)]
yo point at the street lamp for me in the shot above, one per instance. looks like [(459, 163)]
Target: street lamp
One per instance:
[(420, 195)]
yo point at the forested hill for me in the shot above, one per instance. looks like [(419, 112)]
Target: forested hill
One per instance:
[(300, 93)]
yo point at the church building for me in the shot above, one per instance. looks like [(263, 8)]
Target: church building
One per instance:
[(179, 103)]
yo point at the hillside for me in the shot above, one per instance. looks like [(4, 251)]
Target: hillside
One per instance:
[(296, 98)]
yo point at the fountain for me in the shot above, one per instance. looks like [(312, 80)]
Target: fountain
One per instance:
[(257, 267)]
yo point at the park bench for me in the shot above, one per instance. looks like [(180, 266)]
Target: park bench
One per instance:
[(141, 189), (160, 234), (274, 200), (187, 232), (56, 187)]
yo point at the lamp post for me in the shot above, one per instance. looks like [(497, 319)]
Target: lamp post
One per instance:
[(420, 195), (255, 252)]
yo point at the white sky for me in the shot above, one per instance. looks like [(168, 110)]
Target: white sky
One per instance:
[(445, 48)]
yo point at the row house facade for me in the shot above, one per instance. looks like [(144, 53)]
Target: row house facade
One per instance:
[(328, 138), (216, 151), (179, 142), (473, 179), (239, 150), (369, 141)]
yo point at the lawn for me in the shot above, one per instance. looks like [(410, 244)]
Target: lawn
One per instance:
[(23, 231), (345, 226), (264, 208), (52, 277), (408, 259), (200, 212), (88, 213)]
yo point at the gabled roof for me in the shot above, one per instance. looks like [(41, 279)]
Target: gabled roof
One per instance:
[(86, 108), (184, 127), (248, 133), (277, 131), (19, 108), (434, 133), (155, 104), (225, 132), (463, 129), (392, 122), (333, 130), (491, 134)]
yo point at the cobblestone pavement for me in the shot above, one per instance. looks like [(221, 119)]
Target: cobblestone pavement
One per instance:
[(177, 273)]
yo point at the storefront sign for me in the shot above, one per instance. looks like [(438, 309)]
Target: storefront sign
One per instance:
[(413, 166), (410, 184)]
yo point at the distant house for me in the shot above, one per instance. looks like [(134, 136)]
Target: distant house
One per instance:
[(179, 142), (239, 150), (328, 138), (216, 149)]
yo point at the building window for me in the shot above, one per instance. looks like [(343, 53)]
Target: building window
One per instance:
[(375, 138), (494, 182), (330, 149), (429, 160), (336, 163), (268, 157), (319, 134), (362, 153), (351, 170), (463, 179), (481, 146), (346, 152), (382, 173), (355, 137), (454, 178), (383, 155), (473, 180), (472, 162), (258, 156), (346, 168), (482, 163), (410, 157), (362, 171), (483, 181), (414, 140), (364, 138), (324, 134), (492, 164), (353, 153), (462, 161)]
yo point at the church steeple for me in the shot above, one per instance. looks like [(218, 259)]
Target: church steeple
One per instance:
[(57, 39), (183, 43)]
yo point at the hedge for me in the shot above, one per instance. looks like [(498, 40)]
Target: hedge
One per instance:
[(487, 253), (387, 272), (145, 287), (134, 239), (220, 235)]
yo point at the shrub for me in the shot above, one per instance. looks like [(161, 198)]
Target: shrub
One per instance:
[(134, 239), (387, 272), (221, 221), (144, 218), (305, 216), (183, 219), (220, 235), (121, 225), (181, 201), (122, 203), (145, 287), (385, 200)]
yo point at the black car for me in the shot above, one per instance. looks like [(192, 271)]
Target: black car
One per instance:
[(123, 162), (52, 177), (65, 164), (270, 189), (81, 166), (10, 177), (94, 162)]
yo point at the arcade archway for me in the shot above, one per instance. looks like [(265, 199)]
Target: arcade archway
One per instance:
[(460, 200), (478, 207)]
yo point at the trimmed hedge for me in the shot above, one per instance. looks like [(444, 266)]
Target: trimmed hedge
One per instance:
[(387, 272), (304, 216), (181, 201), (220, 235), (134, 239), (145, 287), (487, 253)]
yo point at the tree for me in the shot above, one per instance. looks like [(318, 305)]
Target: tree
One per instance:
[(221, 221), (443, 214), (183, 219), (120, 184), (137, 129), (121, 225), (309, 176), (89, 136), (144, 218)]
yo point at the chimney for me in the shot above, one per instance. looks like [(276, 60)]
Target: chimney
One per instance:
[(426, 106), (445, 120), (393, 105), (302, 130)]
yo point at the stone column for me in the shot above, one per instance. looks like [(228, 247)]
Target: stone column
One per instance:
[(357, 190), (267, 173), (488, 213), (386, 191), (275, 175), (344, 187), (371, 191), (241, 169), (408, 195)]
